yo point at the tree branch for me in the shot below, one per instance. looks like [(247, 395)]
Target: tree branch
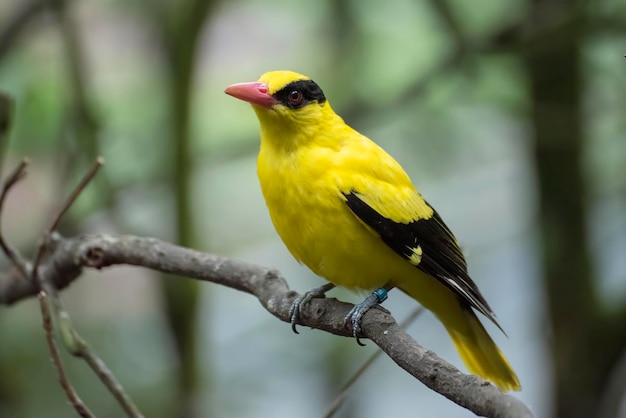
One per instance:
[(71, 394), (51, 304), (12, 253), (67, 257)]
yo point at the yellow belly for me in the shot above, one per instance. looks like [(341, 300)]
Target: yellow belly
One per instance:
[(321, 232), (303, 189)]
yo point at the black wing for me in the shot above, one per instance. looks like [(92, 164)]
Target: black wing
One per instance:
[(430, 246)]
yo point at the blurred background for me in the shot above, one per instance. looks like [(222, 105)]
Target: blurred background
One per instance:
[(509, 116)]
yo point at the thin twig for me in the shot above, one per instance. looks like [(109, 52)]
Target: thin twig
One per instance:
[(43, 245), (78, 347), (338, 401), (77, 191), (72, 340), (66, 205), (109, 380), (72, 396), (44, 302), (13, 255)]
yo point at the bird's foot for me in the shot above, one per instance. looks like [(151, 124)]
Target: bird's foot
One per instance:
[(294, 311), (356, 313)]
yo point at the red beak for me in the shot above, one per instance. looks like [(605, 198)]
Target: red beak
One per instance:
[(255, 93)]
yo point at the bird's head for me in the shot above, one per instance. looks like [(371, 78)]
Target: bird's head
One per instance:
[(286, 103)]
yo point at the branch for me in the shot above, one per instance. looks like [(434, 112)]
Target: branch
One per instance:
[(51, 304), (69, 255), (12, 253), (50, 299), (71, 394)]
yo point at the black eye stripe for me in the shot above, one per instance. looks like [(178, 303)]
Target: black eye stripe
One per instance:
[(311, 92)]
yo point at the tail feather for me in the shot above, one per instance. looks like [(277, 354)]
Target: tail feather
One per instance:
[(476, 348), (479, 353)]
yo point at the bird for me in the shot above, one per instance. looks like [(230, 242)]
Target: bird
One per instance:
[(347, 210)]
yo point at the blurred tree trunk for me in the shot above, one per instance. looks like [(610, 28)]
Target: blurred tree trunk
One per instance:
[(585, 344), (180, 25)]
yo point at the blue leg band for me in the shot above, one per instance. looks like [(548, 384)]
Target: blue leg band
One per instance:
[(381, 294)]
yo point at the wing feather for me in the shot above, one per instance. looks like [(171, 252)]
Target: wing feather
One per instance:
[(428, 244)]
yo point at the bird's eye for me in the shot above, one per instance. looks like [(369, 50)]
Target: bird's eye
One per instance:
[(295, 97)]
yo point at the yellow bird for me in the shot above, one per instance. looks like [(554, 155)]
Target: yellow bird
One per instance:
[(346, 209)]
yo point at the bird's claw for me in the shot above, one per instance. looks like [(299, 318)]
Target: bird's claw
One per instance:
[(296, 306), (294, 310), (355, 315)]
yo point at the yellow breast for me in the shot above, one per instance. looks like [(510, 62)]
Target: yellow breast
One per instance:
[(303, 189)]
